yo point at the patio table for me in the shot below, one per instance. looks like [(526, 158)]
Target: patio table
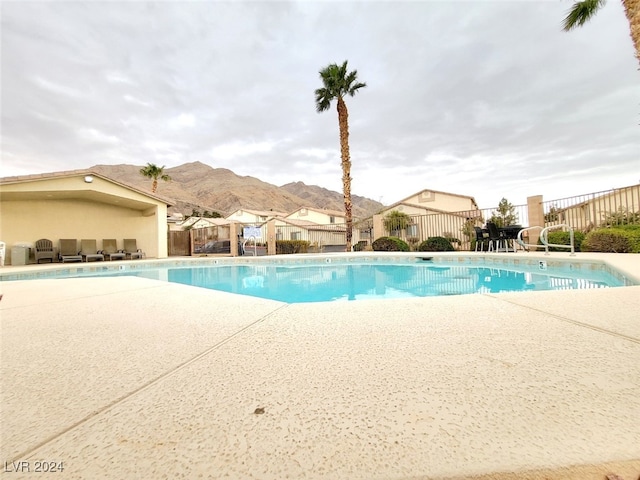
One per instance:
[(510, 234)]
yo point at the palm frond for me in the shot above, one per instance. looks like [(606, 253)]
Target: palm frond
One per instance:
[(323, 99), (581, 12), (337, 83), (354, 88)]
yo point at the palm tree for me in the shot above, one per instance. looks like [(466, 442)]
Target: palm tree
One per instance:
[(583, 11), (154, 172), (338, 83)]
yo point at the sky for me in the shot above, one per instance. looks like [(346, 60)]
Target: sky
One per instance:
[(490, 99)]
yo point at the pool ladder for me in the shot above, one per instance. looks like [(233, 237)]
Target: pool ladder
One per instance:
[(255, 246), (543, 238)]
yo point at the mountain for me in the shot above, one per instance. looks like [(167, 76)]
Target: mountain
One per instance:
[(320, 198), (201, 187)]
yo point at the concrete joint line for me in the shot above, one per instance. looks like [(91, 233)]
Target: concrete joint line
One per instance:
[(569, 320), (33, 450)]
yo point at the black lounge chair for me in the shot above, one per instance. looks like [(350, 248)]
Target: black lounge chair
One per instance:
[(44, 250)]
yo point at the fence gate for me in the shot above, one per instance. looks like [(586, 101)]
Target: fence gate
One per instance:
[(179, 243)]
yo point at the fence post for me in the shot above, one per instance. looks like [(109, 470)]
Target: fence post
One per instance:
[(233, 238), (271, 237), (378, 227), (536, 217)]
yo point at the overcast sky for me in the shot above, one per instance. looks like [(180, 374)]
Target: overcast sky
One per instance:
[(484, 98)]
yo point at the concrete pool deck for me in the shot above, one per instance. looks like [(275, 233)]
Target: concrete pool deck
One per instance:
[(134, 378)]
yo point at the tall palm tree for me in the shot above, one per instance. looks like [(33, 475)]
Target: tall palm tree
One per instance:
[(583, 11), (154, 172), (338, 83)]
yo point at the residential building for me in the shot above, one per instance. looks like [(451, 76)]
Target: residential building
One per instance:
[(254, 217), (81, 204)]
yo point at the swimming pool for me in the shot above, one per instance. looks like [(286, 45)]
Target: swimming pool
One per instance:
[(298, 279)]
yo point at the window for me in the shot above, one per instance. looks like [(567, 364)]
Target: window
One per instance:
[(332, 219), (263, 218), (412, 230), (295, 235)]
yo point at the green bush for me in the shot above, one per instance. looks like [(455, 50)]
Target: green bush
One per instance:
[(435, 244), (621, 239), (562, 238), (390, 244), (292, 246), (360, 246)]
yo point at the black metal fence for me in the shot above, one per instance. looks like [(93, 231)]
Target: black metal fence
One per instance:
[(457, 227), (583, 212), (620, 206), (213, 239)]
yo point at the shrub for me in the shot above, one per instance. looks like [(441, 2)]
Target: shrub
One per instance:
[(360, 246), (390, 244), (621, 239), (291, 246), (435, 244), (563, 238)]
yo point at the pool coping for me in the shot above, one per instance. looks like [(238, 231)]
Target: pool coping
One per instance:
[(624, 267)]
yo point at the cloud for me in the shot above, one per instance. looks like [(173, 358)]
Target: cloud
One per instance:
[(488, 99)]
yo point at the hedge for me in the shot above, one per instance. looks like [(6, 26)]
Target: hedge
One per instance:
[(620, 239), (563, 238), (435, 244), (390, 244), (292, 246)]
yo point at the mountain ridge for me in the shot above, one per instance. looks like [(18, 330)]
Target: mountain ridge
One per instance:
[(198, 186)]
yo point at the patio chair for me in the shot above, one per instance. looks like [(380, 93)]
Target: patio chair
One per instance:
[(482, 238), (131, 249), (89, 251), (69, 250), (110, 250), (496, 239), (44, 250)]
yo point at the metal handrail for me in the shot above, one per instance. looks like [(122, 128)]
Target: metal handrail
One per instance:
[(521, 242), (255, 245), (544, 239)]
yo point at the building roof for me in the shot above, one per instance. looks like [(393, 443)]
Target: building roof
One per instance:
[(78, 173), (260, 213), (461, 213), (404, 200), (213, 221), (326, 211)]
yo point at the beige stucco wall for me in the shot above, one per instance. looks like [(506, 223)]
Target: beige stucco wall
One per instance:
[(243, 216), (408, 209), (321, 218), (75, 183), (46, 208), (442, 201), (28, 221)]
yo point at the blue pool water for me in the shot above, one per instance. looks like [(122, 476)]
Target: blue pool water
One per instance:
[(335, 282)]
